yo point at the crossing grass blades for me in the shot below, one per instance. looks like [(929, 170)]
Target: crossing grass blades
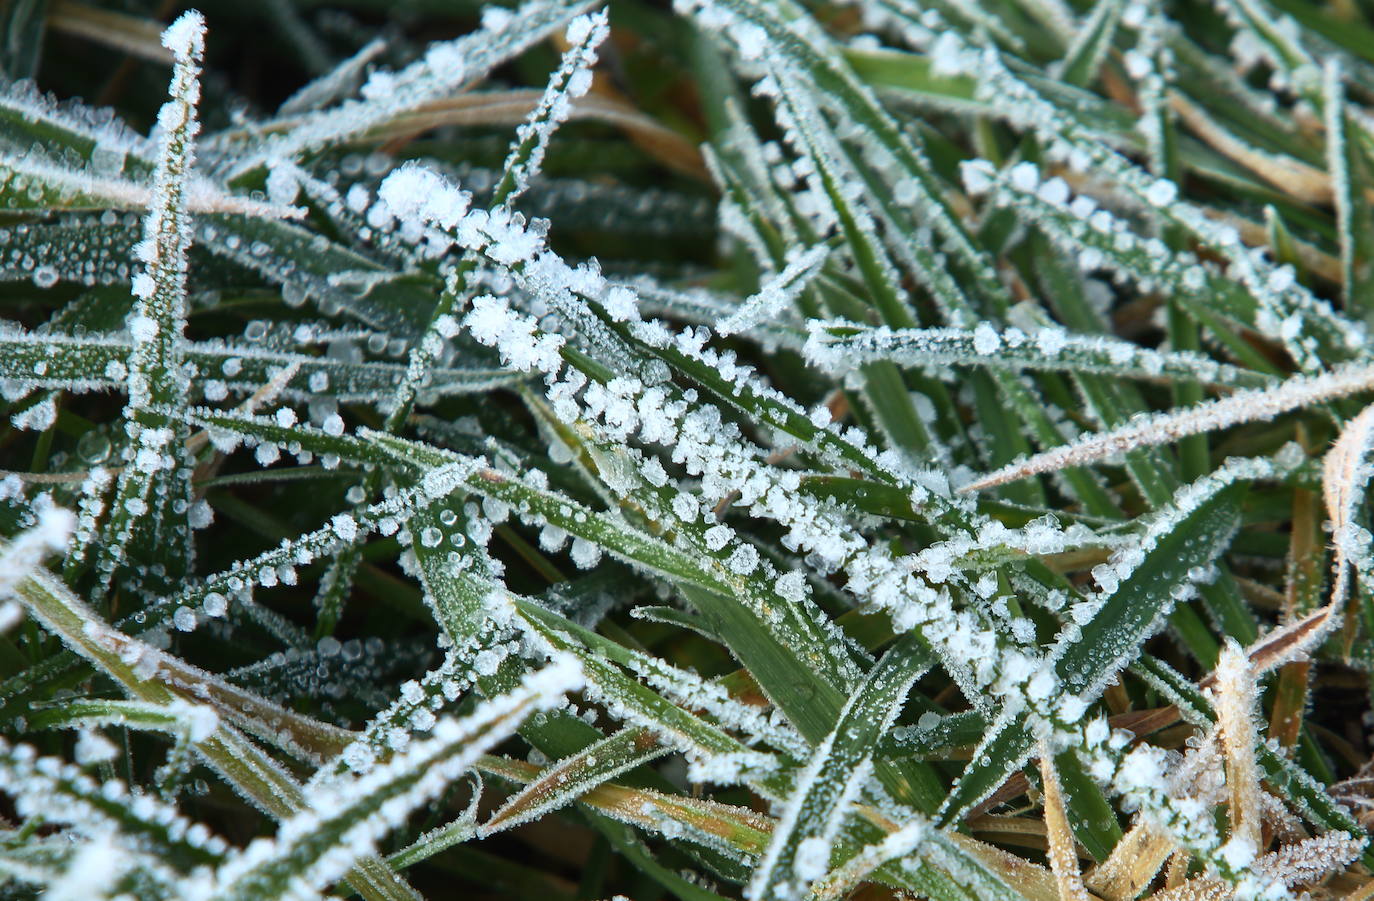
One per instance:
[(743, 450)]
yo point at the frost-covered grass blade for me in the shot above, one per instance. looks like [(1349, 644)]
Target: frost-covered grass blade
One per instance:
[(726, 449)]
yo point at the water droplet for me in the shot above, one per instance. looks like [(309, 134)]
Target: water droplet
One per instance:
[(45, 277), (93, 447), (215, 604)]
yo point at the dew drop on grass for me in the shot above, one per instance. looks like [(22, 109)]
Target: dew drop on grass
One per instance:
[(45, 277), (184, 619), (93, 447)]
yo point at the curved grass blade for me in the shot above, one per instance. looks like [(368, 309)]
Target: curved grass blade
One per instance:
[(313, 848)]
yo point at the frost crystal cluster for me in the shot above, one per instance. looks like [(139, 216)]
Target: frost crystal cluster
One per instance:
[(727, 449)]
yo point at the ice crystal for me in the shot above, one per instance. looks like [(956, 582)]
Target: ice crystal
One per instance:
[(427, 450)]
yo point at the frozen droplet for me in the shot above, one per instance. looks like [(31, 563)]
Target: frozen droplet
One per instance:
[(44, 277), (1162, 192), (215, 604), (93, 447), (345, 526), (184, 619), (986, 341), (584, 553), (200, 515)]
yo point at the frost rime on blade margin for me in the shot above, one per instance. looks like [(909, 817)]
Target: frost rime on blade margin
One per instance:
[(154, 489)]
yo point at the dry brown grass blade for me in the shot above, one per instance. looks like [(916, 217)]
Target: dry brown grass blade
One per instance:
[(1143, 722), (648, 809), (552, 782), (1290, 699), (1015, 786), (1341, 479), (1255, 234), (511, 108), (1307, 549), (1148, 431), (1285, 827), (1303, 593), (1201, 888), (1235, 706), (1033, 882), (1343, 488), (309, 738), (1301, 863), (1177, 874), (1133, 863), (1025, 832), (1293, 177), (1284, 644), (1063, 851), (1311, 860), (138, 37)]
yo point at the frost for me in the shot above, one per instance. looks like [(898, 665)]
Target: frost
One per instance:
[(415, 191), (362, 809), (1243, 406), (1161, 193), (977, 176), (491, 321), (572, 80), (779, 476), (1024, 177), (184, 619), (38, 417), (443, 68), (985, 339), (813, 858), (19, 556), (345, 527), (215, 604), (585, 554), (718, 536), (743, 560), (778, 293), (92, 748), (792, 586)]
